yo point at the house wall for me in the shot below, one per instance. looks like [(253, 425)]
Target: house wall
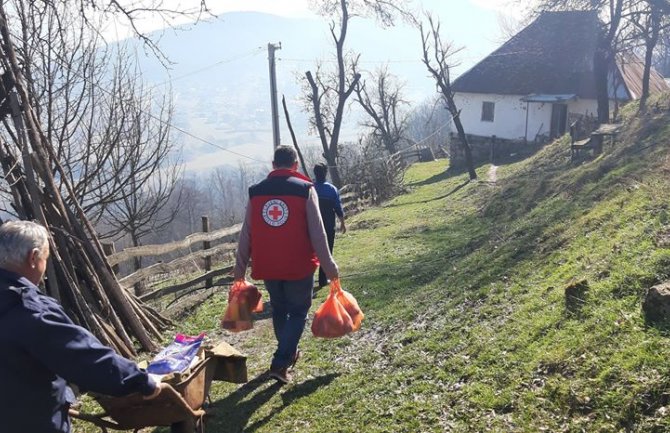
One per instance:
[(510, 115)]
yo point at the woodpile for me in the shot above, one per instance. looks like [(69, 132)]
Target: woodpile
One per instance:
[(78, 274)]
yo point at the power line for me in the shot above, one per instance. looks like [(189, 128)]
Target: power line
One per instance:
[(213, 65)]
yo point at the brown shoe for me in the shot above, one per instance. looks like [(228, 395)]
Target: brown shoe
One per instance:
[(280, 375)]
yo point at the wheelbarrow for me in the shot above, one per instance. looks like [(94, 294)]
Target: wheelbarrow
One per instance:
[(179, 405)]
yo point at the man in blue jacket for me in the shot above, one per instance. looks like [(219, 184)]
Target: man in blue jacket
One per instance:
[(42, 350), (330, 207)]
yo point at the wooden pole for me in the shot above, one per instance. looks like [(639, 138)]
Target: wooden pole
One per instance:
[(205, 246), (295, 142), (276, 141), (109, 249)]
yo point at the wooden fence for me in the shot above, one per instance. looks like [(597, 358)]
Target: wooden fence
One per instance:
[(200, 252), (355, 198)]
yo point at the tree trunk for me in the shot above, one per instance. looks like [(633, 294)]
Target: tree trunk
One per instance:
[(600, 70), (650, 45), (603, 58), (333, 169), (462, 138)]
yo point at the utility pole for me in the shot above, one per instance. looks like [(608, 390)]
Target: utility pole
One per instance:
[(273, 93)]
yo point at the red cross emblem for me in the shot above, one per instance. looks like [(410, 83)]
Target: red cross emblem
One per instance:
[(275, 212)]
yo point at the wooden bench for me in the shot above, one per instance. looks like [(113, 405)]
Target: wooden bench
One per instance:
[(595, 140), (578, 145), (577, 140)]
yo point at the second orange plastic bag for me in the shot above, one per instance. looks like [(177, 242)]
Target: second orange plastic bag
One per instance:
[(338, 315), (243, 299)]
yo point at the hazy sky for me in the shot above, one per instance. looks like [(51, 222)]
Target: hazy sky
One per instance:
[(471, 24), (468, 12), (301, 7)]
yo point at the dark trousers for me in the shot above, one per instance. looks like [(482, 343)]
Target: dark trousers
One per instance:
[(290, 302), (330, 234)]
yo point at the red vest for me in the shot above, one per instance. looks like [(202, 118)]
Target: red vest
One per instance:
[(280, 244)]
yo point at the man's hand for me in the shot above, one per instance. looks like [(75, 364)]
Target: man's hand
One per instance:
[(343, 226), (157, 390)]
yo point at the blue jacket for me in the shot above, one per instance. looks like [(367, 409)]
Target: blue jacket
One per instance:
[(41, 350), (329, 204)]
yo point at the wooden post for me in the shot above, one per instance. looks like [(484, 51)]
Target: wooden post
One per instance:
[(109, 249), (205, 246)]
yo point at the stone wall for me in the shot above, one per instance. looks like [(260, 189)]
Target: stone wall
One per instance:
[(490, 149)]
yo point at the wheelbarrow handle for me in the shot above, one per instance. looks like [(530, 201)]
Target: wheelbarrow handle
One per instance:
[(94, 419)]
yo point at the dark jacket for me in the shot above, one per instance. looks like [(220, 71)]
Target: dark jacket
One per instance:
[(329, 204), (41, 351)]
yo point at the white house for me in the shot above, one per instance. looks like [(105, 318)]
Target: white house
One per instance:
[(542, 79)]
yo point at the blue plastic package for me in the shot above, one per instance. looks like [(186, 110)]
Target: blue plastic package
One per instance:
[(177, 356)]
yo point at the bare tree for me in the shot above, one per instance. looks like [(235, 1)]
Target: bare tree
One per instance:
[(142, 202), (230, 190), (328, 92), (509, 26), (41, 188), (648, 22), (630, 26), (662, 54), (385, 12), (94, 13), (437, 55), (99, 120), (387, 122)]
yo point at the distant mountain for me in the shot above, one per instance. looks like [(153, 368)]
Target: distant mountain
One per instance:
[(220, 78)]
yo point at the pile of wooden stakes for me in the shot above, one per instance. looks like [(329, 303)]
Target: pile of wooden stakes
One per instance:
[(78, 274)]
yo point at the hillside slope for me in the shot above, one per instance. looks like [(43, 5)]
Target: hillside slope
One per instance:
[(467, 326)]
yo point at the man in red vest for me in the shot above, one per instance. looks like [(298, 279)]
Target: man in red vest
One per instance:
[(283, 234)]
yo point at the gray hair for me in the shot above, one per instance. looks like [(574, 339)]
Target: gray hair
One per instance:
[(18, 239)]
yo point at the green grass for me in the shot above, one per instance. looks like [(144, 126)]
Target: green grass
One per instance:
[(467, 327)]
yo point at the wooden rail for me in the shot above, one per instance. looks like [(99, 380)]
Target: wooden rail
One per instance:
[(188, 242), (160, 272)]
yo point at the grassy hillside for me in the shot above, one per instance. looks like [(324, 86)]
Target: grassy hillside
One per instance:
[(467, 326)]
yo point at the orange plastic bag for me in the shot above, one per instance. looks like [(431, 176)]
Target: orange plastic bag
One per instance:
[(338, 315), (243, 299), (350, 304)]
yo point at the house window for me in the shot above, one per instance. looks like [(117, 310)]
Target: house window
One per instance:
[(488, 108)]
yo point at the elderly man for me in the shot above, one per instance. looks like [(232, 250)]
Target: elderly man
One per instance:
[(42, 350), (283, 235)]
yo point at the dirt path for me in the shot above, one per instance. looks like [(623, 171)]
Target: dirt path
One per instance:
[(493, 173)]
